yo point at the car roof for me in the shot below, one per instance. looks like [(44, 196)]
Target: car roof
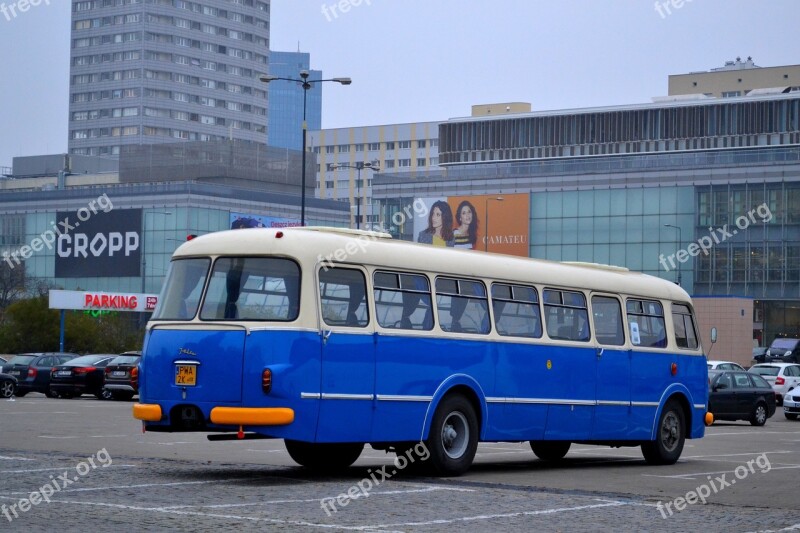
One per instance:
[(719, 361), (782, 365)]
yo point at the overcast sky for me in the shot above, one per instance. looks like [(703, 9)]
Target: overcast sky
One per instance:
[(426, 60)]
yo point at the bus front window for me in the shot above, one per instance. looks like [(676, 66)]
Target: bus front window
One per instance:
[(182, 289)]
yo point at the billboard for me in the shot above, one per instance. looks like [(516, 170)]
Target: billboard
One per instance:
[(241, 220), (105, 245), (491, 222)]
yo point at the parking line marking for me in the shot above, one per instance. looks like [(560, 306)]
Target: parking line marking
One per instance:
[(50, 470), (56, 437), (9, 458)]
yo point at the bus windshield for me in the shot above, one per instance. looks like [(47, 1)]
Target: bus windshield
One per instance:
[(180, 296)]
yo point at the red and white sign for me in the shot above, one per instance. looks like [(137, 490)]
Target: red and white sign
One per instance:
[(102, 301)]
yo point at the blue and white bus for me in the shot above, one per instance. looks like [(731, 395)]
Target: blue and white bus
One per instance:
[(331, 339)]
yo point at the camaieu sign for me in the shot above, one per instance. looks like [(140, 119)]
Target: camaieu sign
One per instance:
[(106, 245)]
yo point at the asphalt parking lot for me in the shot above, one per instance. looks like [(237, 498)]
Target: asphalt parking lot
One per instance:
[(81, 464)]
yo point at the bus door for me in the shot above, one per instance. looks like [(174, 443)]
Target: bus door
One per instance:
[(348, 357), (612, 414)]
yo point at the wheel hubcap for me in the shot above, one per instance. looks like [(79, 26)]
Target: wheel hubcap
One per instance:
[(455, 435), (670, 432)]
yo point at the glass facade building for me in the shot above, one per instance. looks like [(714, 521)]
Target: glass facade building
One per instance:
[(286, 100), (708, 191)]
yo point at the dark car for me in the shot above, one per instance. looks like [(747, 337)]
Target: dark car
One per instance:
[(32, 370), (784, 351), (736, 395), (82, 375), (8, 386), (122, 377)]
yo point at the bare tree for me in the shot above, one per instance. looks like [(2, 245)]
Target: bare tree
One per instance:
[(13, 283)]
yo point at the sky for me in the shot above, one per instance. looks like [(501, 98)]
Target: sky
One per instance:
[(430, 60)]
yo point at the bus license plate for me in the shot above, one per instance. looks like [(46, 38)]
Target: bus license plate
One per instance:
[(186, 375)]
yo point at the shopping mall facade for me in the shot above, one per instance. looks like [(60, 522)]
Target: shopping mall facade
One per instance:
[(702, 191)]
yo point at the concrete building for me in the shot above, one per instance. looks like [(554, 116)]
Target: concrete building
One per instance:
[(286, 100), (410, 149), (158, 72), (736, 78), (706, 191), (86, 227)]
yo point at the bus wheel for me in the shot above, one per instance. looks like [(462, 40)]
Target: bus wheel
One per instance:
[(453, 437), (670, 436), (326, 457), (550, 450)]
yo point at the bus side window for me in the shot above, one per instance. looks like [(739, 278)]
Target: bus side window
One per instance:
[(462, 305), (566, 315), (516, 311), (608, 328), (403, 301), (646, 323), (343, 294), (685, 332)]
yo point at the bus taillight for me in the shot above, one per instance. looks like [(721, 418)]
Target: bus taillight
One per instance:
[(266, 380)]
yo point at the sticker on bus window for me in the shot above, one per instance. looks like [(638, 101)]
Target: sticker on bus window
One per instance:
[(635, 338)]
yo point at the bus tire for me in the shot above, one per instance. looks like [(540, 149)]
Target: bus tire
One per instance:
[(670, 436), (550, 450), (325, 457), (453, 438)]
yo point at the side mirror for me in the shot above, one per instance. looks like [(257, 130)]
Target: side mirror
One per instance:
[(713, 335)]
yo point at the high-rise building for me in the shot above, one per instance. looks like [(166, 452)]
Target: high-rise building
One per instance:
[(286, 100), (736, 78), (160, 71)]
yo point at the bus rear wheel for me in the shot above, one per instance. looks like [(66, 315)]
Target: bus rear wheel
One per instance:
[(453, 438), (670, 436), (326, 457), (550, 450)]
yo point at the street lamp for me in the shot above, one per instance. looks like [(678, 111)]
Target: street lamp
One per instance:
[(373, 165), (680, 243), (306, 84), (486, 205)]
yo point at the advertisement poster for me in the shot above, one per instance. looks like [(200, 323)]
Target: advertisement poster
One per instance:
[(496, 223), (242, 220)]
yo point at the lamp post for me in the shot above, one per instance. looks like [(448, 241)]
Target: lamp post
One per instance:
[(373, 165), (306, 84), (680, 243), (144, 256), (486, 206)]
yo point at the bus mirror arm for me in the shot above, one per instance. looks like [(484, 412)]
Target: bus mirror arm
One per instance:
[(325, 335)]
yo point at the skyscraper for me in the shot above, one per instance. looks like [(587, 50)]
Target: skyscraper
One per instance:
[(286, 100), (166, 70)]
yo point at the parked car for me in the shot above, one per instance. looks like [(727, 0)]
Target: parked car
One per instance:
[(724, 365), (781, 376), (122, 377), (784, 351), (82, 375), (32, 370), (759, 353), (791, 404), (736, 395), (8, 385)]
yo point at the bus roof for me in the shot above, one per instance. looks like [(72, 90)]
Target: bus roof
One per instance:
[(342, 246)]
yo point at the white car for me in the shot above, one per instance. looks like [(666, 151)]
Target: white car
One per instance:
[(791, 404), (724, 365), (782, 377)]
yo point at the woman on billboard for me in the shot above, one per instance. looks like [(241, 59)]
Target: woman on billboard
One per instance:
[(465, 235), (440, 226)]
